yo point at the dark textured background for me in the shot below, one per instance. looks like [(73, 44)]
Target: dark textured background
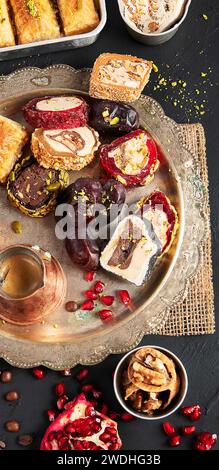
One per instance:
[(191, 51)]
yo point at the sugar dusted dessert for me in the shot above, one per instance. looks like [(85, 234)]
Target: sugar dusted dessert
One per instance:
[(152, 16), (132, 251), (67, 149), (119, 77)]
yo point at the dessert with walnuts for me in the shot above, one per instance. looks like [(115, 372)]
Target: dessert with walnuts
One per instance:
[(67, 149), (150, 381), (119, 77), (153, 16), (56, 112)]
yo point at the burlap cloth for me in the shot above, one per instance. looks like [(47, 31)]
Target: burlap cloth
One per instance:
[(195, 314)]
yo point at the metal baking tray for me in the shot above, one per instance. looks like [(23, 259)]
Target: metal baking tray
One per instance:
[(59, 44)]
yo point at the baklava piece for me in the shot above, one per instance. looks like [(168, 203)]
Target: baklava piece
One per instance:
[(119, 77), (159, 211), (131, 159), (13, 137), (67, 149), (6, 31), (78, 16), (33, 189), (35, 20), (132, 251), (56, 112)]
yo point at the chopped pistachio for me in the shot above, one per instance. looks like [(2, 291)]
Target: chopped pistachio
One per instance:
[(203, 74), (53, 187), (105, 113), (174, 84), (16, 227), (114, 121), (55, 325), (205, 16), (155, 68), (32, 8)]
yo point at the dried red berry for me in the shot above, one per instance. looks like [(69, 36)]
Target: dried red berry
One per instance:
[(87, 388), (66, 372), (51, 415), (124, 297), (169, 429), (105, 314), (60, 389), (90, 294), (61, 402), (127, 417), (107, 300), (175, 441), (82, 374), (97, 394), (187, 430), (98, 287), (89, 277), (87, 305), (38, 373), (205, 440)]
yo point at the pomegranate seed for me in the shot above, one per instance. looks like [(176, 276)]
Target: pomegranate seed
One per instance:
[(60, 389), (113, 415), (105, 437), (107, 300), (89, 277), (90, 411), (175, 441), (127, 417), (98, 287), (82, 374), (61, 402), (124, 297), (196, 414), (104, 409), (105, 314), (51, 415), (66, 372), (87, 305), (97, 394), (87, 388), (188, 410), (111, 431), (70, 428), (90, 294), (205, 441), (169, 429), (38, 373), (187, 430)]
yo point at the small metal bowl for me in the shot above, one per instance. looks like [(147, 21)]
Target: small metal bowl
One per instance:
[(154, 39), (177, 401)]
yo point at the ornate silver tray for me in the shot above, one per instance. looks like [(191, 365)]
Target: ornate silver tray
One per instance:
[(85, 340)]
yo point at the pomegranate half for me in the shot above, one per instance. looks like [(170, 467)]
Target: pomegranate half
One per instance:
[(81, 427)]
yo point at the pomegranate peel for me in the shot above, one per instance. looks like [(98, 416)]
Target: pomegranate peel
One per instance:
[(75, 429)]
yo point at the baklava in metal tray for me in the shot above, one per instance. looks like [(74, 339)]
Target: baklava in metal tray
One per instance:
[(31, 27)]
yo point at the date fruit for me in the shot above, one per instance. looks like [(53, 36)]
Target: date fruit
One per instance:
[(111, 117)]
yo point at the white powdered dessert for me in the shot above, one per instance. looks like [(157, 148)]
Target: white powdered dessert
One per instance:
[(152, 16)]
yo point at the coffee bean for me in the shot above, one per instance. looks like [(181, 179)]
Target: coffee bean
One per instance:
[(25, 440), (71, 306), (11, 396), (2, 445), (12, 426), (6, 376)]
